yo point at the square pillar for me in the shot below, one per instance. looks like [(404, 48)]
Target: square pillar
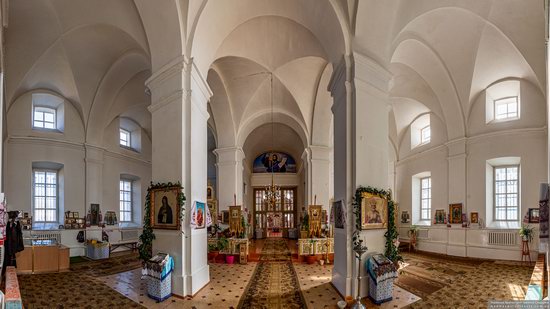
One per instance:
[(359, 87), (179, 98)]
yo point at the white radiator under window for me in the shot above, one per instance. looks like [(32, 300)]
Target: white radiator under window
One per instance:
[(47, 235), (503, 238), (129, 234), (423, 233)]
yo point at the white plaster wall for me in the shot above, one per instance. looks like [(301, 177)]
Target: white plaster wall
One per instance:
[(525, 138), (24, 146)]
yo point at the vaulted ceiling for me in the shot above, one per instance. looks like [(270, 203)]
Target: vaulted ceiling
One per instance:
[(442, 55)]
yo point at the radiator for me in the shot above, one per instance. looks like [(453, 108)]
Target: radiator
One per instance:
[(503, 238), (47, 235), (423, 233), (129, 234)]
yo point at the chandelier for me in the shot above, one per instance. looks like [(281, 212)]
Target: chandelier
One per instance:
[(272, 192)]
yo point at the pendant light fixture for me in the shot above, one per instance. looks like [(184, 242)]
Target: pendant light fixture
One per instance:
[(272, 191)]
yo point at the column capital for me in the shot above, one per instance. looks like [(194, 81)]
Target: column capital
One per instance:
[(456, 147), (229, 154), (94, 154), (318, 152), (371, 75)]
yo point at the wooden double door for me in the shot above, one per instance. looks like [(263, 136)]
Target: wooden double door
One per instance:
[(275, 220)]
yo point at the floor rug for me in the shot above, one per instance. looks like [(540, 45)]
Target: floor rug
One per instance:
[(488, 281), (424, 274), (113, 265), (274, 284), (69, 290)]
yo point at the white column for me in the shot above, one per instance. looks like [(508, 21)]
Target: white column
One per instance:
[(179, 98), (94, 176), (229, 165), (361, 142), (319, 175)]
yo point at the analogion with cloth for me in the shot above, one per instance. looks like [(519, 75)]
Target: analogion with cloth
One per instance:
[(381, 272), (158, 273)]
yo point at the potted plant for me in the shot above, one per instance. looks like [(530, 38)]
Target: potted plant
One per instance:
[(223, 244), (213, 251), (526, 232), (304, 233)]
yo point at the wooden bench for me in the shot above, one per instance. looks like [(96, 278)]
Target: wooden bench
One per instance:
[(130, 244), (129, 238)]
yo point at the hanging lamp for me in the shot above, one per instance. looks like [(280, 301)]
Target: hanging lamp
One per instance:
[(272, 191)]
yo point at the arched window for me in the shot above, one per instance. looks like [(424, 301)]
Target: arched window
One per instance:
[(47, 112)]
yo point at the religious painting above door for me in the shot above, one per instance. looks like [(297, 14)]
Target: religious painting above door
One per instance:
[(374, 211), (274, 162)]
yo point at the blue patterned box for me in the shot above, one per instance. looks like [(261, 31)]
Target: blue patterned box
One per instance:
[(381, 272), (159, 290), (98, 250)]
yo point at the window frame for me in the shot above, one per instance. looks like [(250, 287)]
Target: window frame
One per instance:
[(429, 198), (495, 194), (129, 136), (45, 196), (424, 142), (44, 110), (121, 201), (507, 118)]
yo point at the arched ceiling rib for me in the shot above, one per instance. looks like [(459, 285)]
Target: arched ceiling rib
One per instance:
[(285, 139), (87, 51), (219, 18), (445, 53)]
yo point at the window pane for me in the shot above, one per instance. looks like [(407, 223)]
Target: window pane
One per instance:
[(48, 117), (39, 203), (39, 215), (51, 190), (500, 200), (51, 178), (500, 174), (49, 125), (50, 215), (512, 214), (39, 177), (512, 186), (50, 202), (38, 116)]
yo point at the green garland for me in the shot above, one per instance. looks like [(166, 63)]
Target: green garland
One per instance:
[(147, 236), (392, 251)]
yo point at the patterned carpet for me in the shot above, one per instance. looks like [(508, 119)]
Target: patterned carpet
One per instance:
[(424, 274), (116, 264), (69, 290), (463, 283), (274, 284)]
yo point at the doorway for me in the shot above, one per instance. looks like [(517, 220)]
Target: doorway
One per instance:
[(275, 220)]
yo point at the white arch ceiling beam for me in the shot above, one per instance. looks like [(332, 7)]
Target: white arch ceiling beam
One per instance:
[(132, 102), (264, 116), (405, 111), (460, 50), (423, 60), (219, 18), (120, 73), (220, 109), (87, 51), (285, 139), (162, 22), (321, 126)]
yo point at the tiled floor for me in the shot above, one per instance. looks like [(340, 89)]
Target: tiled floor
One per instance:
[(224, 290), (229, 281)]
